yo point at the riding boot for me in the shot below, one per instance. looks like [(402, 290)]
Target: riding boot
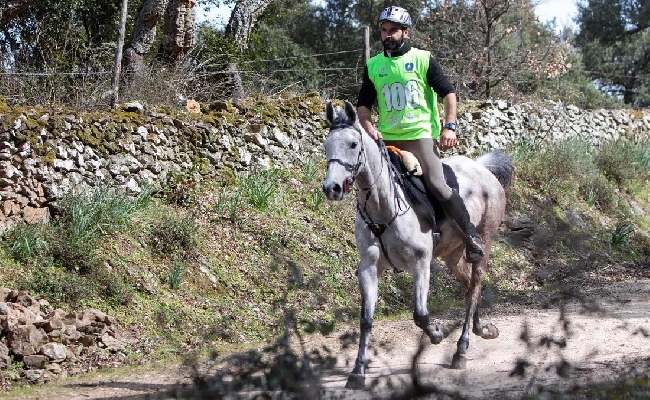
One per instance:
[(455, 209)]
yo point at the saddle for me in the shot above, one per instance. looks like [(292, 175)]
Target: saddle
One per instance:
[(409, 177)]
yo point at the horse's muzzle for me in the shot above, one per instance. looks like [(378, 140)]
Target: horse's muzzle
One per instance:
[(335, 190)]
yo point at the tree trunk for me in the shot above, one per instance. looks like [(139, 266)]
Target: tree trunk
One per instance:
[(178, 31), (115, 81), (144, 33), (242, 19), (9, 9)]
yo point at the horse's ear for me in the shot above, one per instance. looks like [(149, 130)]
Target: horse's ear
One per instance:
[(329, 113), (350, 112)]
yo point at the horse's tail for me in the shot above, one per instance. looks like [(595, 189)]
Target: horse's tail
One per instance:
[(500, 164)]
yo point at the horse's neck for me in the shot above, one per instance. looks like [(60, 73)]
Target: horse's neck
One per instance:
[(376, 189)]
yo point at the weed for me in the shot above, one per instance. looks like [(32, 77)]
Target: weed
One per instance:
[(309, 169), (281, 205), (260, 188), (176, 274), (27, 242), (85, 218), (228, 203), (315, 199), (620, 239), (179, 188)]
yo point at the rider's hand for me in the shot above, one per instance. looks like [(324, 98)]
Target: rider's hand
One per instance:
[(374, 134), (447, 139)]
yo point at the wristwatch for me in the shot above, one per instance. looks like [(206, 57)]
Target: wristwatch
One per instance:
[(451, 126)]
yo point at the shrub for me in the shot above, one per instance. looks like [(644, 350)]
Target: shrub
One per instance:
[(174, 235), (558, 169), (625, 162)]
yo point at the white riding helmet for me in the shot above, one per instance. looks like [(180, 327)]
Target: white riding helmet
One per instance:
[(397, 15)]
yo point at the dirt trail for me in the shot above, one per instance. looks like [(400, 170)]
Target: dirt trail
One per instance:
[(599, 345)]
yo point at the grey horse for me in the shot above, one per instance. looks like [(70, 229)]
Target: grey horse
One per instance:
[(391, 234)]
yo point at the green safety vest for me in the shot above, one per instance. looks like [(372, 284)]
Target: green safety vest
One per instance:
[(407, 104)]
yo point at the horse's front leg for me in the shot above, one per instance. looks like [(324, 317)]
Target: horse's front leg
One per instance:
[(368, 283), (421, 313)]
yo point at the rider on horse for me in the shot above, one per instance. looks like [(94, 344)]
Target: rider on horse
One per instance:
[(406, 82)]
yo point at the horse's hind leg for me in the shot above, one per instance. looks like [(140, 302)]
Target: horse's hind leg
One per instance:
[(459, 360), (487, 331), (368, 283)]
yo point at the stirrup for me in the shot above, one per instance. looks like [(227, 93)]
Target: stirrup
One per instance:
[(473, 249)]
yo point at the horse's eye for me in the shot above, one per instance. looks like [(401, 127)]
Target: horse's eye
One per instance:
[(353, 145)]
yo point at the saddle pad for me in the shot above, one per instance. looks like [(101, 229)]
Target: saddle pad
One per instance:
[(409, 166)]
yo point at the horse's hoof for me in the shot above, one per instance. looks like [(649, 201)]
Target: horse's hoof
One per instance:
[(356, 382), (436, 333), (459, 361), (489, 331), (436, 338)]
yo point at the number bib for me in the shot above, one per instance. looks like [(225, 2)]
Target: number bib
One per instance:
[(407, 104)]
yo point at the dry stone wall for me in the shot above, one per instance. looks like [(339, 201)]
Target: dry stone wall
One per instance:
[(47, 153), (53, 343)]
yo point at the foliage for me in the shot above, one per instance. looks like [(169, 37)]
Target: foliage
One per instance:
[(85, 219), (246, 275), (620, 236), (27, 242), (62, 36), (489, 49), (492, 48), (206, 65), (575, 174), (626, 163), (176, 274), (615, 42), (557, 169)]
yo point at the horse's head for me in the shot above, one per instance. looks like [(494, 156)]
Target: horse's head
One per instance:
[(344, 148)]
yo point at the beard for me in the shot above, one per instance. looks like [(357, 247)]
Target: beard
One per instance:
[(391, 45)]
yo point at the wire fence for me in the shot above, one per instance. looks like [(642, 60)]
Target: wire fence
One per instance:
[(207, 82)]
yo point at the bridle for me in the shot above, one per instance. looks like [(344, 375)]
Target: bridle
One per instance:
[(377, 228), (353, 169)]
